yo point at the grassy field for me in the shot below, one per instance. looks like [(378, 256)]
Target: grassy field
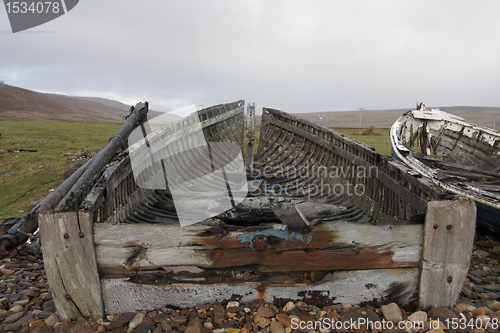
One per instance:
[(381, 142), (29, 176)]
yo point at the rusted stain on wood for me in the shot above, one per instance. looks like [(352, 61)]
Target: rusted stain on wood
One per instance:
[(262, 292), (138, 253), (308, 260), (333, 246)]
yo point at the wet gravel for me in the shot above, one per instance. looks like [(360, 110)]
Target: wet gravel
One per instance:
[(26, 305)]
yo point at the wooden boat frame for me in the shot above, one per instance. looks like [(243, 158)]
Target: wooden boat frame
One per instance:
[(460, 157), (403, 240)]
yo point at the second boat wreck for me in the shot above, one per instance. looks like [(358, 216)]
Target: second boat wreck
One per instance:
[(316, 216)]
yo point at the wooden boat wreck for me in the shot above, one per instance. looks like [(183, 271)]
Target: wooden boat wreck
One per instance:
[(458, 156), (326, 220)]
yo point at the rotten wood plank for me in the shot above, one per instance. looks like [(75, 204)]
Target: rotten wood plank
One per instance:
[(448, 241), (250, 136), (330, 246), (71, 266), (365, 286)]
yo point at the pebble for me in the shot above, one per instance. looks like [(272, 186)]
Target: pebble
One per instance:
[(262, 322), (419, 316), (465, 307), (232, 304), (276, 327), (7, 271), (441, 314), (17, 308), (493, 305), (284, 319), (265, 312), (288, 307), (136, 320), (49, 306), (13, 318), (481, 253), (144, 328), (121, 320), (22, 302), (36, 323), (232, 330), (25, 289), (218, 314), (392, 312), (52, 320)]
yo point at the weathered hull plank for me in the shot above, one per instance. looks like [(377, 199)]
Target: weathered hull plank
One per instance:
[(70, 263), (331, 246), (355, 287), (444, 265)]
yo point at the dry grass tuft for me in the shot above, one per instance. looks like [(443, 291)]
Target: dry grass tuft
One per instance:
[(371, 130)]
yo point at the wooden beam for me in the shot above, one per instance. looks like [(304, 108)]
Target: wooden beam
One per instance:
[(376, 287), (250, 136), (330, 246), (70, 262), (448, 241)]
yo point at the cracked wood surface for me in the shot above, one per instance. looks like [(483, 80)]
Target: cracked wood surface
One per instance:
[(70, 263)]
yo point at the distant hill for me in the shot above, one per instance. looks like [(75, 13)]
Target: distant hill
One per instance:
[(483, 116), (19, 103)]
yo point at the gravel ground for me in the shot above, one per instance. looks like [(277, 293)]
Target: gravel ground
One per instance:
[(26, 305)]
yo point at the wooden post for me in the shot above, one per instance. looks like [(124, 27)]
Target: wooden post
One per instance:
[(70, 263), (448, 240), (250, 136)]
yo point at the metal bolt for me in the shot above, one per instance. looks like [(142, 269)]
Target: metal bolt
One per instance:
[(449, 279), (81, 235), (68, 297), (435, 226), (449, 226), (261, 288), (260, 242), (66, 236)]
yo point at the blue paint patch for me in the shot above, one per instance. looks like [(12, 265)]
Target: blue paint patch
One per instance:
[(247, 237)]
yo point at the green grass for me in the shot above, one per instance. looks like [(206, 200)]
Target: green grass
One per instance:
[(381, 143), (33, 175)]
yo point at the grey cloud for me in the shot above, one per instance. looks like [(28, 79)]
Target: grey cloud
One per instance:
[(294, 55)]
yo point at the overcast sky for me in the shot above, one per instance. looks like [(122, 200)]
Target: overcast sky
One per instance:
[(297, 56)]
